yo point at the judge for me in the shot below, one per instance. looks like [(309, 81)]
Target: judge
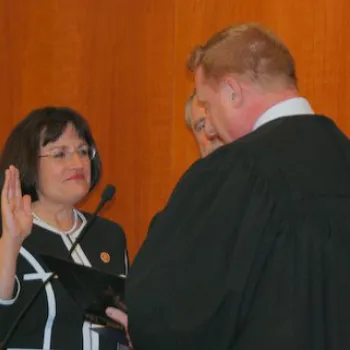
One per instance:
[(252, 250)]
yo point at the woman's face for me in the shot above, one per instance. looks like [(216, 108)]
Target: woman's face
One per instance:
[(64, 170)]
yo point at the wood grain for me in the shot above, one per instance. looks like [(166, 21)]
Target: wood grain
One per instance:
[(122, 65)]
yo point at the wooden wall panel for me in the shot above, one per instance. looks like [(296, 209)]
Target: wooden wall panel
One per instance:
[(315, 31), (122, 64), (113, 62)]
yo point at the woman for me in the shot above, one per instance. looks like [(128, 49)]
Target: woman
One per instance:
[(51, 158)]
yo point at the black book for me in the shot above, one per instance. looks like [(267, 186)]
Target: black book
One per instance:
[(92, 290)]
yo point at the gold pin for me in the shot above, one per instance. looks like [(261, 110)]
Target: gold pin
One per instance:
[(105, 257)]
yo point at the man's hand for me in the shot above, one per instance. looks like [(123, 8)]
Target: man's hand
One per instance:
[(120, 317)]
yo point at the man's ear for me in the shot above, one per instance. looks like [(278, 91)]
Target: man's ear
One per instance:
[(233, 91)]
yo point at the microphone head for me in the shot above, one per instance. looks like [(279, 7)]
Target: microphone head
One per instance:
[(108, 193)]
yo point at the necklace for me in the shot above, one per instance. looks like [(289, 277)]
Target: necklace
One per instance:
[(74, 227)]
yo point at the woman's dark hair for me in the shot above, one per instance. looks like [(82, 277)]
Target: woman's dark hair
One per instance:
[(43, 125)]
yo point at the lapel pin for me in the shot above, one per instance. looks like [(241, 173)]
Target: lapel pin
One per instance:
[(105, 257)]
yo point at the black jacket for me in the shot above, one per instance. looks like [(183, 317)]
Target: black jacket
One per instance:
[(54, 321)]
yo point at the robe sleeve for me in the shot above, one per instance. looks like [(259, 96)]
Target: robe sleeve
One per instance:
[(201, 253)]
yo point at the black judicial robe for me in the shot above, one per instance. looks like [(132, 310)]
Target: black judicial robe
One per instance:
[(252, 250), (65, 332)]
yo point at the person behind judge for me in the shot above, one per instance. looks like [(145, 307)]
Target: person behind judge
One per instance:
[(252, 250), (51, 158), (195, 117)]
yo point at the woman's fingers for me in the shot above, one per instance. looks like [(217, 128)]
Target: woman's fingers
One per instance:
[(5, 189), (15, 210), (27, 205), (17, 192)]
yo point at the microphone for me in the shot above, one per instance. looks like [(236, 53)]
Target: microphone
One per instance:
[(106, 196)]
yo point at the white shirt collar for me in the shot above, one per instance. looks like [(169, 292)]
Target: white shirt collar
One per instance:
[(290, 107), (39, 222)]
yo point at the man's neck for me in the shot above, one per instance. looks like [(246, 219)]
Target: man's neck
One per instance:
[(268, 100)]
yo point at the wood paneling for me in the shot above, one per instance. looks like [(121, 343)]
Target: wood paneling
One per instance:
[(122, 65)]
